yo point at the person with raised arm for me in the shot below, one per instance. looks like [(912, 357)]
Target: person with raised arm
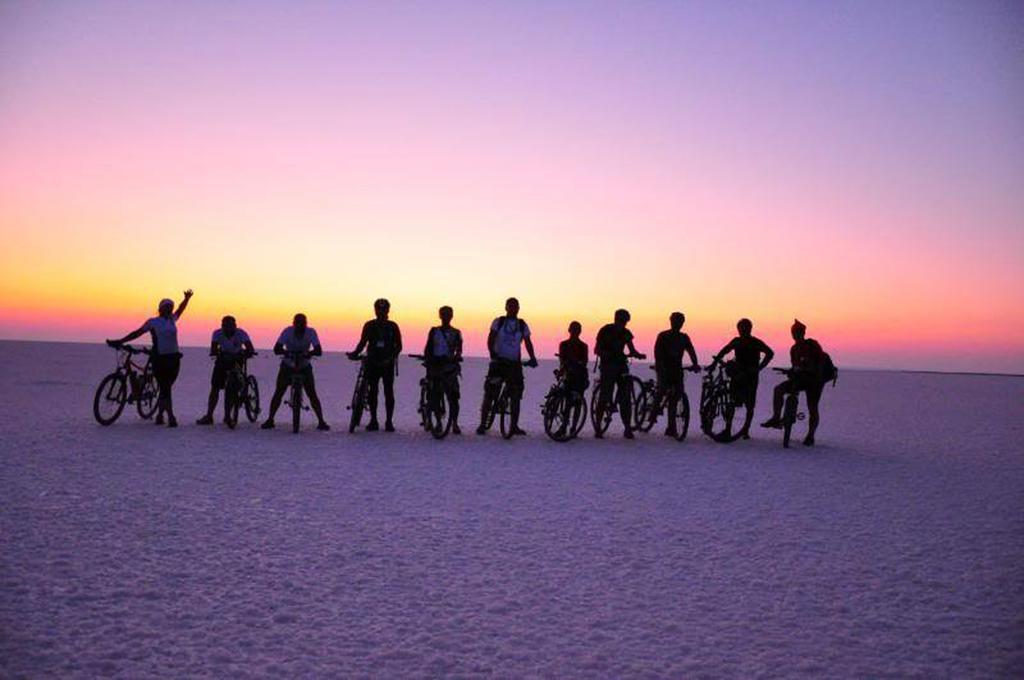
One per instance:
[(669, 349), (296, 345), (442, 354), (610, 347), (230, 345), (751, 355), (165, 355), (505, 339), (382, 340)]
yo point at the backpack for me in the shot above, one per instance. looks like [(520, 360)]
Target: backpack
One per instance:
[(829, 372)]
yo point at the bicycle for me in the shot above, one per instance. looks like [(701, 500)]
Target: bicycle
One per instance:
[(241, 390), (564, 410), (653, 401), (296, 389), (601, 418), (360, 394), (501, 406), (435, 407), (129, 383), (790, 409), (717, 402)]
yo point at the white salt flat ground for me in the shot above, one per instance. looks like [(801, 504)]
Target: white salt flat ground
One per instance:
[(895, 548)]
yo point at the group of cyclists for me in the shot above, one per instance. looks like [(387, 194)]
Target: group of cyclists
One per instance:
[(381, 340)]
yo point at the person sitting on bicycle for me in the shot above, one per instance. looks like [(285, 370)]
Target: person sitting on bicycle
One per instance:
[(296, 345), (807, 358), (383, 342), (508, 333), (751, 356), (610, 347), (165, 356), (231, 345), (669, 349), (443, 352), (573, 356)]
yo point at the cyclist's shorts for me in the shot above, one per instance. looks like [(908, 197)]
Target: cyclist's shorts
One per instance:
[(285, 373), (743, 387), (511, 372), (576, 379), (221, 366)]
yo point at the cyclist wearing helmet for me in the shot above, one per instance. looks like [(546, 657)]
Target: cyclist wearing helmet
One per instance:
[(230, 344), (669, 349), (443, 352), (751, 355), (296, 344), (383, 342), (165, 356), (504, 341), (612, 342)]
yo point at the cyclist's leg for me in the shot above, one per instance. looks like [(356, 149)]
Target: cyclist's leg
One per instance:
[(284, 379), (217, 381), (388, 378), (451, 382), (309, 385), (781, 390), (625, 403), (607, 391), (170, 365), (749, 402), (491, 385), (373, 377), (514, 378), (813, 399)]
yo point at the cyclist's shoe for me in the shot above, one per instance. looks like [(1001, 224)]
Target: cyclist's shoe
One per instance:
[(481, 430), (323, 426), (456, 429), (598, 435), (671, 431), (206, 420), (172, 421), (373, 426), (773, 423), (518, 431), (628, 434), (267, 425), (744, 433), (809, 440), (389, 427), (159, 419)]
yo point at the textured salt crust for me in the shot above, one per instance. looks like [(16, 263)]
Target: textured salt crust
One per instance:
[(895, 548)]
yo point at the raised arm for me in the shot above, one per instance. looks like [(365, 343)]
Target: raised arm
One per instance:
[(184, 303)]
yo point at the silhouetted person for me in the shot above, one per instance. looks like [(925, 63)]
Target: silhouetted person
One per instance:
[(443, 352), (231, 345), (504, 343), (751, 356), (165, 357), (612, 342), (669, 349), (807, 358), (296, 345), (573, 356), (383, 342)]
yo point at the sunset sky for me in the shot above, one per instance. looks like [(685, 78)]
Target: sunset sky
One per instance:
[(859, 165)]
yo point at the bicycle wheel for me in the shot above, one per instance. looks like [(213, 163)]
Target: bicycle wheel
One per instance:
[(557, 416), (252, 399), (296, 408), (110, 398), (232, 399), (501, 405), (579, 413), (440, 414), (358, 403), (148, 396), (680, 414), (424, 408), (600, 417), (645, 403)]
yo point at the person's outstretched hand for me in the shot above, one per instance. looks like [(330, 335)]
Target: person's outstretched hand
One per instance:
[(188, 293)]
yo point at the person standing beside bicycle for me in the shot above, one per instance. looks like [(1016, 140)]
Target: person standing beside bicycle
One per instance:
[(165, 357), (296, 345), (610, 347), (383, 342), (442, 354), (230, 345), (573, 357), (669, 349), (751, 356), (806, 375), (504, 344)]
